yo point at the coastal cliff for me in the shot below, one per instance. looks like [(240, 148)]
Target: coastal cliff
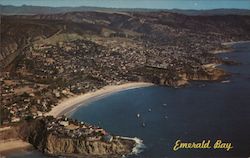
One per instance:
[(182, 78), (208, 74), (65, 146), (54, 143)]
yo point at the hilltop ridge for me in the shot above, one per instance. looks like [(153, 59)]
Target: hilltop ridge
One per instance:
[(29, 9)]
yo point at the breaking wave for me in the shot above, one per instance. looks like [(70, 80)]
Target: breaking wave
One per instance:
[(139, 146)]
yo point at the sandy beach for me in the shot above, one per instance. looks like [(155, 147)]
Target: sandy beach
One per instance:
[(11, 143), (68, 104), (221, 51), (232, 43), (8, 145)]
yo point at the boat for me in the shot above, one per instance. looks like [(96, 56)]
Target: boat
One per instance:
[(226, 81), (138, 115), (143, 124)]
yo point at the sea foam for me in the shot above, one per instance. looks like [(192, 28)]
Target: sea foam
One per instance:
[(139, 146)]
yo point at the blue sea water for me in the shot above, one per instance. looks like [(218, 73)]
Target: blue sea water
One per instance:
[(202, 111)]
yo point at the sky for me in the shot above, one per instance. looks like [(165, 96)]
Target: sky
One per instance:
[(152, 4)]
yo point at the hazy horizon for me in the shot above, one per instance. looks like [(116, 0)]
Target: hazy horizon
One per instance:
[(147, 4)]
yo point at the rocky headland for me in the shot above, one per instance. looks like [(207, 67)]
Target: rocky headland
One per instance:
[(58, 137)]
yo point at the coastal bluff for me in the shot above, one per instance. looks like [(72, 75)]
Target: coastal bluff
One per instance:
[(207, 72), (57, 143)]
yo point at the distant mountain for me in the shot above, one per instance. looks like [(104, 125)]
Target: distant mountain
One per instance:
[(26, 10), (213, 12)]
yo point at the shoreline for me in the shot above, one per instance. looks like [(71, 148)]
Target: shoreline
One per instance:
[(229, 47), (69, 104), (233, 43), (220, 51), (139, 146)]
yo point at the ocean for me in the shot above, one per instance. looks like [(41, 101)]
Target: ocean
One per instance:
[(161, 115)]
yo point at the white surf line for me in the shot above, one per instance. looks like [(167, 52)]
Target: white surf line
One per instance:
[(139, 146)]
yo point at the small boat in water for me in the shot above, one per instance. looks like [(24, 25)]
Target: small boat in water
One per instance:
[(149, 110), (143, 124), (226, 81), (138, 115), (164, 104)]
